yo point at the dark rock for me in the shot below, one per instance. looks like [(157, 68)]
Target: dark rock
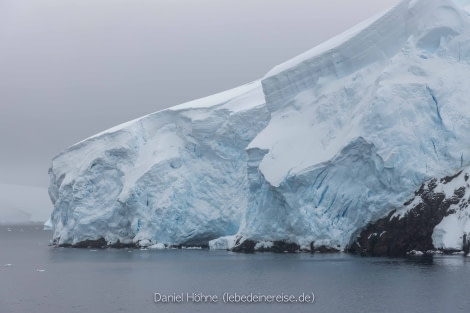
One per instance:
[(466, 244), (247, 246), (325, 249), (394, 236), (281, 246), (120, 245), (447, 179), (98, 243)]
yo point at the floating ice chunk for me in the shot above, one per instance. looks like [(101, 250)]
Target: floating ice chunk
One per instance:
[(415, 252), (222, 243), (40, 270), (48, 225), (145, 243), (192, 248), (7, 265), (157, 246)]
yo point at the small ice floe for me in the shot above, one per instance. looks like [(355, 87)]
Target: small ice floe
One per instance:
[(264, 245), (40, 270), (47, 225), (143, 249), (7, 265), (157, 246), (129, 251), (415, 252), (144, 243), (93, 250), (192, 248), (9, 229)]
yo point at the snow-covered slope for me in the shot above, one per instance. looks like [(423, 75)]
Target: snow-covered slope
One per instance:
[(323, 144), (437, 216)]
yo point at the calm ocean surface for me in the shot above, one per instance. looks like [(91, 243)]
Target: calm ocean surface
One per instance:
[(37, 278)]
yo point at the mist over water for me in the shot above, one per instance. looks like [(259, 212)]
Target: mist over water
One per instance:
[(35, 277)]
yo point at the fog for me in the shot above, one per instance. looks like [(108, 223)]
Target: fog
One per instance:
[(70, 69)]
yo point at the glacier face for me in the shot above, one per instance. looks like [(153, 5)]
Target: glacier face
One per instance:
[(374, 117), (322, 145), (172, 177)]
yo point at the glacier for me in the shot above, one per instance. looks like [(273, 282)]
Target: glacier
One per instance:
[(309, 154)]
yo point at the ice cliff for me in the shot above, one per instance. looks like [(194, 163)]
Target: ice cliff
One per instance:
[(319, 147)]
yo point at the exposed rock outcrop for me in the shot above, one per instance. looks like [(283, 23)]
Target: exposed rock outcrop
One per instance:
[(413, 227)]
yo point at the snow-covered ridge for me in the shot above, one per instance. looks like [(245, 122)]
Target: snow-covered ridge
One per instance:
[(321, 146)]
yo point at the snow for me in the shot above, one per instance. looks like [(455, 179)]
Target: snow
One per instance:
[(322, 145), (225, 97), (264, 245), (232, 97), (448, 234), (327, 46)]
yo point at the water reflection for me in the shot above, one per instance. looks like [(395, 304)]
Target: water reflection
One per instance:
[(420, 260)]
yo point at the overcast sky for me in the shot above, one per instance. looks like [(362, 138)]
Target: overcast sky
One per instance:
[(72, 68)]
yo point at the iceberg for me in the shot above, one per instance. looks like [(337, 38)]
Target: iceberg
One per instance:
[(309, 154)]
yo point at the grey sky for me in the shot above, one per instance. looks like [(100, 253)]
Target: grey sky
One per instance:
[(69, 69)]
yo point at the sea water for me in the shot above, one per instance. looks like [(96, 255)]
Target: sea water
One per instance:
[(35, 277)]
